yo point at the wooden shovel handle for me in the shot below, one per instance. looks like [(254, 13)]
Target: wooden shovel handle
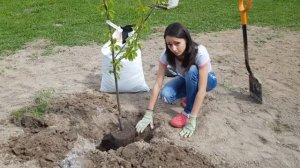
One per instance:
[(244, 10)]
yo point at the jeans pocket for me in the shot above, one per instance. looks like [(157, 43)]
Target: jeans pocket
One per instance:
[(211, 81)]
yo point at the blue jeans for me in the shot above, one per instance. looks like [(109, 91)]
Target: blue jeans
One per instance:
[(187, 86)]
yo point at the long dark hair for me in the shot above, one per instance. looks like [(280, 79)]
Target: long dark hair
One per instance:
[(179, 31)]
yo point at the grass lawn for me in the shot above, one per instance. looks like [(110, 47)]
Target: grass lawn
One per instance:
[(79, 22)]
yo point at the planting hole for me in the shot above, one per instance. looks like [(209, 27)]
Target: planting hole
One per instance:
[(128, 135)]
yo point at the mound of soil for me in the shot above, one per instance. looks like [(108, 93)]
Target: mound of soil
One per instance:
[(49, 138), (48, 146), (141, 154), (52, 138)]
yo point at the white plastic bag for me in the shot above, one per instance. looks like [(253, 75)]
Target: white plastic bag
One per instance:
[(131, 74), (172, 3)]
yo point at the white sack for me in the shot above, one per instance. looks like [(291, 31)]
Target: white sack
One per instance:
[(131, 74), (172, 3)]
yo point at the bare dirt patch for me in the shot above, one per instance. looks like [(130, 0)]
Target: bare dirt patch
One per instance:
[(232, 130)]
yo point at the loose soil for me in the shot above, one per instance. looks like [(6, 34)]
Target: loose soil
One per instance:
[(232, 130)]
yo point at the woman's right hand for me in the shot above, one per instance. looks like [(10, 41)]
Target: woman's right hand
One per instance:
[(145, 121)]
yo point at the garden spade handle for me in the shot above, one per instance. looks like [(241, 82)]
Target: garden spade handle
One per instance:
[(243, 11)]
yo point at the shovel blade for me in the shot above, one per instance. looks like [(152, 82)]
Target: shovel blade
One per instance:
[(255, 88)]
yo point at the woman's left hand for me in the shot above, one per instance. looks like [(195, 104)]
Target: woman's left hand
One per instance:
[(189, 128)]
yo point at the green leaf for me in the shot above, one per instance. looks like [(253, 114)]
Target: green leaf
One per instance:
[(117, 48)]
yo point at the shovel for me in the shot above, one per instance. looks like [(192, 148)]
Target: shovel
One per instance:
[(254, 83)]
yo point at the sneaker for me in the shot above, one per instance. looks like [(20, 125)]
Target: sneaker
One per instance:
[(179, 121), (183, 102)]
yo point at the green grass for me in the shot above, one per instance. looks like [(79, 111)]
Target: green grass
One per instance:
[(78, 22), (75, 22), (41, 102)]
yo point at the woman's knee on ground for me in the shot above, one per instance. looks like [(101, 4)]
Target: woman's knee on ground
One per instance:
[(211, 81)]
